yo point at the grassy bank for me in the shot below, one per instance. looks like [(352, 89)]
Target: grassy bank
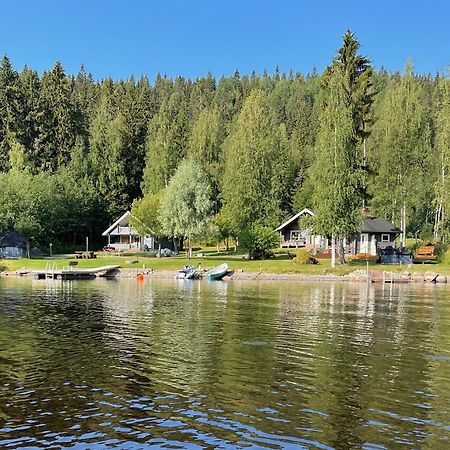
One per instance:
[(281, 264)]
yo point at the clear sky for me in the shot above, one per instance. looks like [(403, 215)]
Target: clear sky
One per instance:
[(190, 38)]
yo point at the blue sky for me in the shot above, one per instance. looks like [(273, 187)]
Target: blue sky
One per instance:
[(123, 38)]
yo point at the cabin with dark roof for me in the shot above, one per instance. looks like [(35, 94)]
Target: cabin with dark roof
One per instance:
[(13, 245), (295, 233), (376, 234)]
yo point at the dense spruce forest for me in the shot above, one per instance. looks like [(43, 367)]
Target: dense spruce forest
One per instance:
[(76, 152)]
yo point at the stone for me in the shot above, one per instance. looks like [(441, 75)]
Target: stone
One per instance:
[(430, 276), (417, 277), (441, 279)]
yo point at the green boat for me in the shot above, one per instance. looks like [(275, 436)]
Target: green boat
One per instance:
[(217, 273)]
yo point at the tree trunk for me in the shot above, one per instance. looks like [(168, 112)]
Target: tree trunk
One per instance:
[(333, 251), (341, 251), (190, 248), (175, 246), (404, 225), (159, 249)]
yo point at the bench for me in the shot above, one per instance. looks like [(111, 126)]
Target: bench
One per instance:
[(73, 263), (425, 253)]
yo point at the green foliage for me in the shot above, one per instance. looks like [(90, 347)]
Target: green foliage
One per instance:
[(440, 250), (302, 257), (186, 206), (259, 241), (336, 172), (145, 215), (445, 257), (256, 166), (268, 145), (402, 148)]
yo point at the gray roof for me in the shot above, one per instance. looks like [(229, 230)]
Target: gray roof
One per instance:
[(378, 225), (11, 238)]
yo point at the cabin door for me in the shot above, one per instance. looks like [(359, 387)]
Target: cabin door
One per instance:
[(364, 243)]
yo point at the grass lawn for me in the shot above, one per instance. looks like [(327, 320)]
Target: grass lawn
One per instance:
[(281, 263)]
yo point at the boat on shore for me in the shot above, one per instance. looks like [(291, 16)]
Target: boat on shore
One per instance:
[(188, 272), (217, 273)]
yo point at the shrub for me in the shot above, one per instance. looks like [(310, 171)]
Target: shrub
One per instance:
[(259, 241), (440, 250), (303, 257)]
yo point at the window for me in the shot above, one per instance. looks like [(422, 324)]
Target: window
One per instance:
[(295, 235), (385, 238)]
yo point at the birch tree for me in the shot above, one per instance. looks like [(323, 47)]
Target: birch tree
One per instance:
[(402, 137), (442, 146)]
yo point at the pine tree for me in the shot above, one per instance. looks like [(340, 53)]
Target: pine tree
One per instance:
[(11, 116), (108, 143), (166, 144), (336, 171), (57, 128)]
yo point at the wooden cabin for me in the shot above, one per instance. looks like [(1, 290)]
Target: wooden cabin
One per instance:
[(376, 234), (122, 236), (295, 235)]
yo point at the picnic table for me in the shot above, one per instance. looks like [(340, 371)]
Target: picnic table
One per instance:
[(85, 255)]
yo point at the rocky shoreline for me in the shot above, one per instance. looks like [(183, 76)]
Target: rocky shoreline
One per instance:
[(355, 276)]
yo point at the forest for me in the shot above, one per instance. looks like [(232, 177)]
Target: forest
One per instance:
[(75, 152)]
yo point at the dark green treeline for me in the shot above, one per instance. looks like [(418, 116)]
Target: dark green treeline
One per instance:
[(76, 152)]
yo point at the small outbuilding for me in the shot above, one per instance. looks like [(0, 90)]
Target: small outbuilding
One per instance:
[(13, 245)]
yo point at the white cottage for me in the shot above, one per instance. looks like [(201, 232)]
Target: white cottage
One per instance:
[(122, 236)]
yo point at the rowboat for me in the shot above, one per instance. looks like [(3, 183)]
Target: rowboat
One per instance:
[(217, 273), (187, 273)]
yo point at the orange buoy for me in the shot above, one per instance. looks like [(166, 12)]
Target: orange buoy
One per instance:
[(140, 277)]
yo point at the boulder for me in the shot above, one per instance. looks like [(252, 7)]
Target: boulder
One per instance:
[(417, 277), (430, 276), (441, 279)]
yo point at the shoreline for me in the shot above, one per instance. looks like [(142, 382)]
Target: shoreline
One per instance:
[(240, 275)]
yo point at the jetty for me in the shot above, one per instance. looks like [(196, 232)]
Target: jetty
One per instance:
[(73, 273)]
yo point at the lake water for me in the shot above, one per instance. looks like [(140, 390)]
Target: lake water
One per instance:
[(181, 364)]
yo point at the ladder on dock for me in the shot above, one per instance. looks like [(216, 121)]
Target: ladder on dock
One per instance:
[(50, 270)]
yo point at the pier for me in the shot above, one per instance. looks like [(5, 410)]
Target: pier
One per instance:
[(72, 273)]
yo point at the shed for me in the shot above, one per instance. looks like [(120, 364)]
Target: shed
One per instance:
[(13, 245)]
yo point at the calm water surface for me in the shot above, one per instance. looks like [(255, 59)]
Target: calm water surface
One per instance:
[(179, 364)]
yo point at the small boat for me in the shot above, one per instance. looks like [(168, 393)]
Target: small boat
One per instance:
[(217, 273), (187, 273)]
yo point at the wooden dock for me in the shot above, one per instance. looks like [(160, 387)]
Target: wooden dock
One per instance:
[(71, 273), (389, 277)]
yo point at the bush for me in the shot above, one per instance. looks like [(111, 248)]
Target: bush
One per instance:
[(303, 257), (259, 241), (440, 250)]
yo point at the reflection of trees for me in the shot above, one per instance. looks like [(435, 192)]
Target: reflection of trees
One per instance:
[(329, 360)]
